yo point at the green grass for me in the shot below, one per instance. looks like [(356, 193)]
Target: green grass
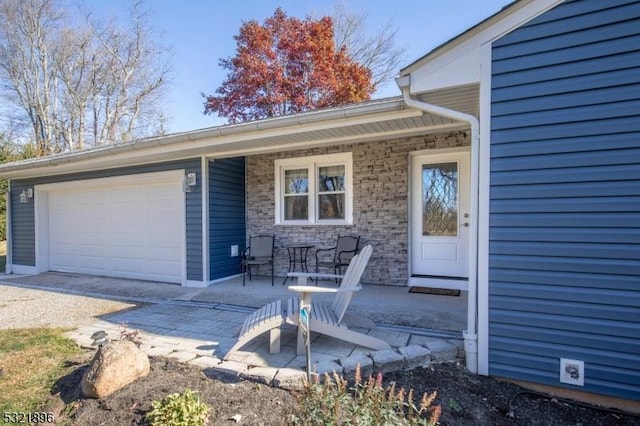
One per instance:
[(31, 360)]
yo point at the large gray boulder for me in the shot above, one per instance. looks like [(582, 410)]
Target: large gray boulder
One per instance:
[(115, 365)]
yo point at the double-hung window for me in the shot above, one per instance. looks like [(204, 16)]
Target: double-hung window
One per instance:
[(314, 190)]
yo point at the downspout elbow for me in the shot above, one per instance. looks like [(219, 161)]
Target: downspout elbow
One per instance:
[(442, 111)]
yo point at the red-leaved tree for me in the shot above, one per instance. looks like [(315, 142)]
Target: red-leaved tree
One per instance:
[(285, 66)]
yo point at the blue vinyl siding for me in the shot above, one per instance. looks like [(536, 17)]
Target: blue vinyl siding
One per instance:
[(23, 251), (22, 215), (564, 238), (227, 216)]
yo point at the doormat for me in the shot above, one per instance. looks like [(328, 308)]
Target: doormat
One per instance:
[(438, 291)]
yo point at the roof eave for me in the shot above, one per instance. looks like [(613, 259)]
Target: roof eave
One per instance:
[(184, 141)]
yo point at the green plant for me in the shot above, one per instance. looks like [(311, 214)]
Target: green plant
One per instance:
[(453, 404), (179, 409), (366, 403)]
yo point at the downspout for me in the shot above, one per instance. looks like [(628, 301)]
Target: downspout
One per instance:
[(471, 333)]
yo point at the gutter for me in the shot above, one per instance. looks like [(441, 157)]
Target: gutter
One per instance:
[(10, 170), (470, 335)]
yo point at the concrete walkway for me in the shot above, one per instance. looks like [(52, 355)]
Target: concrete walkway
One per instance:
[(188, 325)]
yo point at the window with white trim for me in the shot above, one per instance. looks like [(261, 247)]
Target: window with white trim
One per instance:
[(314, 190)]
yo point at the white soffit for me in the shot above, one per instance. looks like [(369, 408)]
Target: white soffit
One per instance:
[(461, 98)]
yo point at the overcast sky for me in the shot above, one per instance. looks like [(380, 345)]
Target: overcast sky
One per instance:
[(201, 32)]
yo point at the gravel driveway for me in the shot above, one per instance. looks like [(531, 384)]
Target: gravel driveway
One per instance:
[(27, 308)]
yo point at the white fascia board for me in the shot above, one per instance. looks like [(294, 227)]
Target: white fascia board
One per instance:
[(460, 62)]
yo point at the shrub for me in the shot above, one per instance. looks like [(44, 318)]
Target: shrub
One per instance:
[(178, 409), (130, 335), (366, 403)]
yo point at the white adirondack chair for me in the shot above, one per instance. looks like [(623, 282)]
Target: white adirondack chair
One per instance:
[(330, 319)]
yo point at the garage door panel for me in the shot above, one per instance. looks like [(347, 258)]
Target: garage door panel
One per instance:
[(93, 250), (66, 221), (161, 239), (128, 239), (161, 268), (92, 242), (160, 210), (161, 216), (125, 195), (165, 254), (125, 218), (132, 230), (93, 263), (128, 252), (85, 198), (159, 193), (126, 264), (128, 222)]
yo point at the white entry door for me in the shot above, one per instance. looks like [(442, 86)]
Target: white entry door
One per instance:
[(440, 217)]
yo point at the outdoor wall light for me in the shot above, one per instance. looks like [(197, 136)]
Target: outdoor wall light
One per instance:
[(25, 195), (189, 181)]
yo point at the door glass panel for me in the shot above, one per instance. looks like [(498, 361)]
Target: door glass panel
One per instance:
[(440, 200)]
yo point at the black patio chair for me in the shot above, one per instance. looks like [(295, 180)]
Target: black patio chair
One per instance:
[(338, 256), (259, 252)]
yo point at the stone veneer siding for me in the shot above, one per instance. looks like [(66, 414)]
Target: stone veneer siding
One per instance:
[(380, 203)]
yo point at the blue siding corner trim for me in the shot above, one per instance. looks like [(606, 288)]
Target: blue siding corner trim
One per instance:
[(227, 215), (564, 236), (23, 221)]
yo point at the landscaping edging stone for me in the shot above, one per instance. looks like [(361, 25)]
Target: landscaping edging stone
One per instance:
[(401, 358), (387, 361), (390, 360), (415, 356)]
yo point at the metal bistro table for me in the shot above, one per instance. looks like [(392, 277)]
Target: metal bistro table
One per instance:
[(297, 256)]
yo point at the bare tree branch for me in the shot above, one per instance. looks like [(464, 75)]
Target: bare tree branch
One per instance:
[(79, 81), (377, 51)]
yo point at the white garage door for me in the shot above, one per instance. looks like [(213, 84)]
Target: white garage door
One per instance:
[(122, 227)]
